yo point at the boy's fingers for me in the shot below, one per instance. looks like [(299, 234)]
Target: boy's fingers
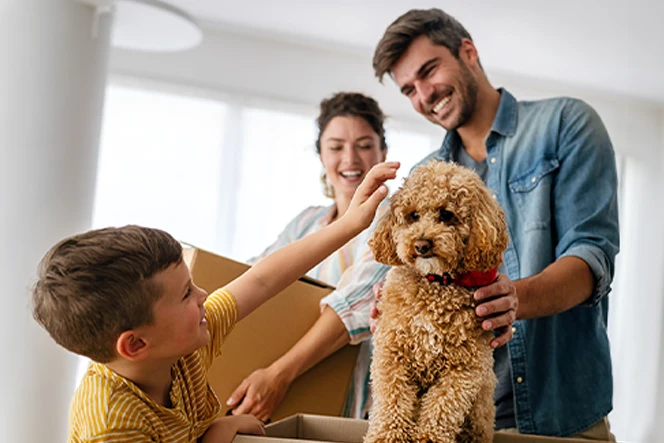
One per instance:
[(381, 172), (378, 195)]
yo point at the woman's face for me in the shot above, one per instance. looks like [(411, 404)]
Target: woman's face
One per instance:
[(349, 147)]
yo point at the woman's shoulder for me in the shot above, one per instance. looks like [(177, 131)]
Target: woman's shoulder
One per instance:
[(312, 217), (313, 213)]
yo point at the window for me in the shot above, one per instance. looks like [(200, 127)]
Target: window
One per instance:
[(159, 163)]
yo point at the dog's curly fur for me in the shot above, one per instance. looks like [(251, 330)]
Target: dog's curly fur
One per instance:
[(432, 370)]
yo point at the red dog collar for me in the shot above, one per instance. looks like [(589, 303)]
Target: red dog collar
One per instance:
[(470, 279)]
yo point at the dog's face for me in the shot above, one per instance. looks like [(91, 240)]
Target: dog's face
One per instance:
[(443, 219)]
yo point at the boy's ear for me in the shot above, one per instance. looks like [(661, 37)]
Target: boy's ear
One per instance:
[(131, 346)]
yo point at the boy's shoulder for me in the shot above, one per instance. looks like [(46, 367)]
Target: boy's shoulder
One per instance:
[(103, 402)]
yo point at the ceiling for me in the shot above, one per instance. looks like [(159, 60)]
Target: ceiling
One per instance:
[(613, 46)]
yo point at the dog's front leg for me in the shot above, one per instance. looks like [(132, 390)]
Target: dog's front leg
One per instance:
[(392, 417), (446, 405)]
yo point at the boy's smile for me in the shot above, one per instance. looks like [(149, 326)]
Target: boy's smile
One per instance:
[(179, 326)]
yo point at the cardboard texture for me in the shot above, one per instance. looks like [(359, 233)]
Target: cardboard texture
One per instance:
[(269, 332), (312, 428)]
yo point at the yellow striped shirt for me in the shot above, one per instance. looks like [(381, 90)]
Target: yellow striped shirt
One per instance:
[(109, 408)]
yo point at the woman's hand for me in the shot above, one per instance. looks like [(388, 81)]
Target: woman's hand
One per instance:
[(260, 393), (375, 312), (223, 429)]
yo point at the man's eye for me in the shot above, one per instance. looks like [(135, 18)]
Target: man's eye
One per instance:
[(445, 216), (429, 71), (412, 217)]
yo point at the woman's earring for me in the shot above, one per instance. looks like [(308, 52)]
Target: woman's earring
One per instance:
[(328, 190)]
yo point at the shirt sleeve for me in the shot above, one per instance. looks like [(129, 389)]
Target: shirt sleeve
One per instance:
[(587, 181), (121, 436), (352, 298), (221, 313)]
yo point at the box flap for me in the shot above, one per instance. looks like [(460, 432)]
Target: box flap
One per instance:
[(319, 428), (307, 428), (503, 437)]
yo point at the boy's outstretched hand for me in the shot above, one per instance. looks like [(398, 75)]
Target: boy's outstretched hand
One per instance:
[(370, 193)]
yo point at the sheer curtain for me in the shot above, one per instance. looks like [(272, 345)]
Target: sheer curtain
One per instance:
[(159, 163), (636, 320)]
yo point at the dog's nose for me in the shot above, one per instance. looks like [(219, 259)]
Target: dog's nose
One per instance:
[(423, 247)]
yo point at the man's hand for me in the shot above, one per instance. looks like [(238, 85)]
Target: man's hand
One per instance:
[(497, 305), (259, 394), (223, 429)]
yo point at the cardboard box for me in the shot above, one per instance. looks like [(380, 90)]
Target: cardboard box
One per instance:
[(312, 428), (270, 331)]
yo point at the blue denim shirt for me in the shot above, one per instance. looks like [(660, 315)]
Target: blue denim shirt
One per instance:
[(552, 169)]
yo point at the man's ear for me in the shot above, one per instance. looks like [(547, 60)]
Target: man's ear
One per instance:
[(468, 52), (131, 346)]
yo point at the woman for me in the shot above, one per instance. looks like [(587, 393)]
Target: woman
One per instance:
[(351, 139)]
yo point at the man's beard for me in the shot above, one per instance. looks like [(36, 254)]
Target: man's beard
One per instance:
[(468, 96)]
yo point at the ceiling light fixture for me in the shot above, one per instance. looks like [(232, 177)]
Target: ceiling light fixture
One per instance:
[(149, 25)]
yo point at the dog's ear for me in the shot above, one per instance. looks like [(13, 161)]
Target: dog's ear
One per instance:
[(382, 244), (488, 233)]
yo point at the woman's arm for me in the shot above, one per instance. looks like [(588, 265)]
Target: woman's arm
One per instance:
[(261, 392)]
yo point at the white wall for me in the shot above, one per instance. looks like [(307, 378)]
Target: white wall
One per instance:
[(252, 67), (659, 410), (52, 82)]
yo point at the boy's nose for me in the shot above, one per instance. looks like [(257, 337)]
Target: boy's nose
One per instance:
[(203, 294)]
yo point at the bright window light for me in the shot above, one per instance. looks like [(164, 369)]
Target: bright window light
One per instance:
[(159, 163)]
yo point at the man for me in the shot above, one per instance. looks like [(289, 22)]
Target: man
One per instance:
[(551, 166)]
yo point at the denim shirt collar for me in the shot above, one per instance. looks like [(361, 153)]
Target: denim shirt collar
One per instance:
[(504, 124)]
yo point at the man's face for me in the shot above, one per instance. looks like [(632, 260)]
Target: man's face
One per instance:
[(440, 87)]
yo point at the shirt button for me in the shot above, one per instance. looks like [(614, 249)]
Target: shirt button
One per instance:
[(534, 179), (493, 160), (513, 329), (495, 196), (519, 380)]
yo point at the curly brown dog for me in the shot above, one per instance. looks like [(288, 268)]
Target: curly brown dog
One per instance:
[(432, 370)]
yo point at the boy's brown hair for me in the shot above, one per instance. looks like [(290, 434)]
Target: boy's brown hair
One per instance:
[(440, 27), (93, 286)]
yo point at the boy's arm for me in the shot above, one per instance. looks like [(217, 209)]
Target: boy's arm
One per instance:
[(281, 268)]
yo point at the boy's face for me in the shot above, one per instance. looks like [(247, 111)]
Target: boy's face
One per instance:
[(179, 326)]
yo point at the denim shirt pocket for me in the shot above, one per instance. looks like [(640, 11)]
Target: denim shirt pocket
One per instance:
[(532, 193)]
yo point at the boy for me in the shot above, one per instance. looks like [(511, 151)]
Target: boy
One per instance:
[(124, 298)]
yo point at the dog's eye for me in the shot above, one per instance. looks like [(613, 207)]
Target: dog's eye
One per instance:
[(412, 217), (445, 216)]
